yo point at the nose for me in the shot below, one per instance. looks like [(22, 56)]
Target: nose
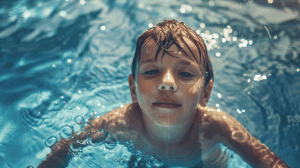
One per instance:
[(168, 83)]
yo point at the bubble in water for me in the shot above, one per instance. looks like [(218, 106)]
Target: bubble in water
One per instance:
[(90, 115), (110, 143), (238, 136), (78, 120), (66, 131), (86, 126), (157, 163), (98, 137), (76, 146), (149, 164), (122, 161), (51, 141), (30, 166), (138, 153)]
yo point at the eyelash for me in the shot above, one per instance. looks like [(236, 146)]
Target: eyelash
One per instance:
[(149, 73)]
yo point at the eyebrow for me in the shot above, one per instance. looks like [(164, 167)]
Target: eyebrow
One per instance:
[(148, 61), (183, 62)]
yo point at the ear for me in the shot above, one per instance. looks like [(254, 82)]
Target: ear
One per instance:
[(206, 93), (132, 88)]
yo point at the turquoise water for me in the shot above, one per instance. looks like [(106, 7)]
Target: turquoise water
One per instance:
[(62, 59)]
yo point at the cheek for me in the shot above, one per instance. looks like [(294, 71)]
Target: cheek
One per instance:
[(145, 87), (196, 90)]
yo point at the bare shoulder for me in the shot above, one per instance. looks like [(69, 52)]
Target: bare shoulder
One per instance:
[(115, 119), (235, 136), (217, 117), (120, 122), (218, 123)]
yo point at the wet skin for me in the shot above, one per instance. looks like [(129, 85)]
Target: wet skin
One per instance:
[(188, 152), (171, 131), (180, 79)]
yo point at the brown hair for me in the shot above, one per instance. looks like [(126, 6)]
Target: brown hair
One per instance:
[(172, 32)]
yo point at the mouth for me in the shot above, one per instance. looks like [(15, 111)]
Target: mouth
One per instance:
[(167, 105)]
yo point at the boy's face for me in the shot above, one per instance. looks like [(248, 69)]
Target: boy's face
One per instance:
[(178, 78)]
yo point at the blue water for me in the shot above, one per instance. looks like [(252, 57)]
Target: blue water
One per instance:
[(60, 59)]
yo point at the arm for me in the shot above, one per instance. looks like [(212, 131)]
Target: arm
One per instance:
[(61, 153), (238, 139)]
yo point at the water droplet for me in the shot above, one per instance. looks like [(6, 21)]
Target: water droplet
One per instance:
[(76, 145), (86, 126), (78, 120), (82, 2), (150, 25), (90, 115), (51, 141), (122, 161), (62, 13), (66, 132), (238, 136), (110, 143), (141, 6), (98, 137), (202, 25)]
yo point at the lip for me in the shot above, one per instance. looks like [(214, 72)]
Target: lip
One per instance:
[(167, 105), (166, 101)]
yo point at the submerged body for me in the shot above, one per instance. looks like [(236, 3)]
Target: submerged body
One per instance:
[(198, 149)]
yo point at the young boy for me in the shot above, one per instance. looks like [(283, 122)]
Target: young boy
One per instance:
[(170, 85)]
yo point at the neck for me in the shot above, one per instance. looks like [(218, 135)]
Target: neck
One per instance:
[(167, 135)]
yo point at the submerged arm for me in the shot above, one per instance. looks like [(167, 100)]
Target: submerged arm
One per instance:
[(238, 139), (61, 153)]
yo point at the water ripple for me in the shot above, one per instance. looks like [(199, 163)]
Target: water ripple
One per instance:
[(60, 59)]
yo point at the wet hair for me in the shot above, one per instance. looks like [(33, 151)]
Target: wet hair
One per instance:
[(172, 32)]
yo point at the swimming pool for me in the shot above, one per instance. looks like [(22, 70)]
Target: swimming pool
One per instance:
[(62, 59)]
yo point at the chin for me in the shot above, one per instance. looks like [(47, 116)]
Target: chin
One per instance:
[(165, 124)]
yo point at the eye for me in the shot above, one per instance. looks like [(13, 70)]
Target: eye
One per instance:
[(186, 74), (151, 72)]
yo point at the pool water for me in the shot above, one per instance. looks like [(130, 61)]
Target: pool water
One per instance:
[(66, 61)]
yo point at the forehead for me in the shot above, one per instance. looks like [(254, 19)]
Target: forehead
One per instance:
[(149, 50)]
